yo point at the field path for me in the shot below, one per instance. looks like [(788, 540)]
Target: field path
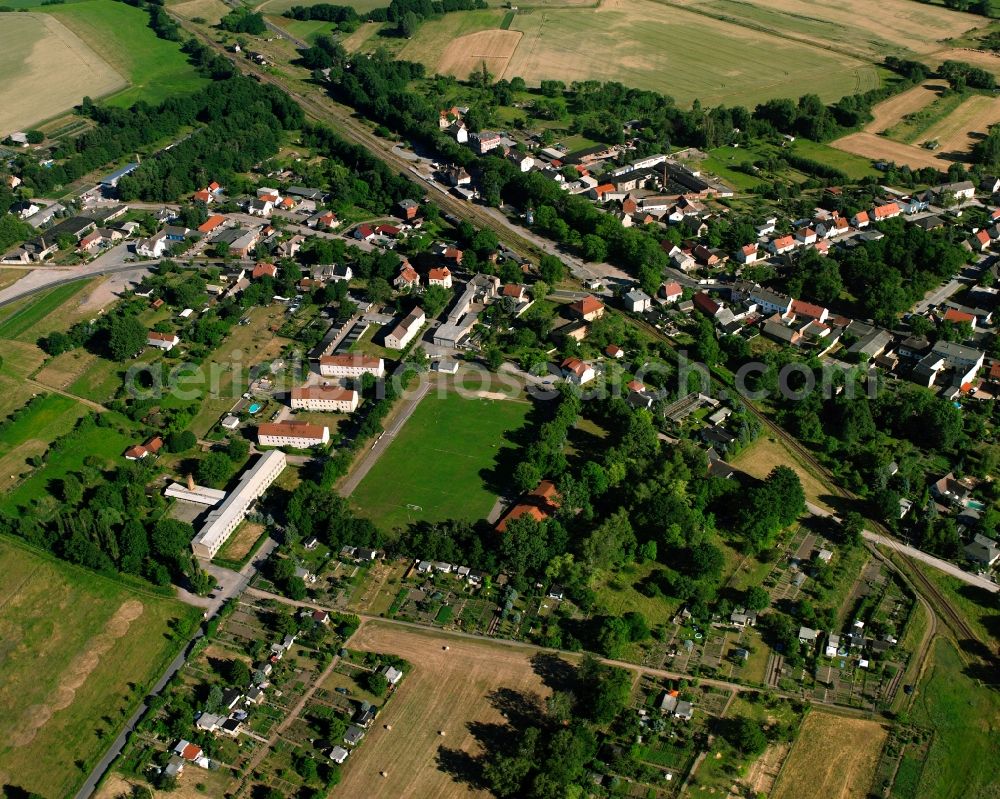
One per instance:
[(94, 406)]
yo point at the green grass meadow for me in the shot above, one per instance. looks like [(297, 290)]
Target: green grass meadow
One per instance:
[(120, 34), (456, 441), (55, 619), (18, 320), (965, 717)]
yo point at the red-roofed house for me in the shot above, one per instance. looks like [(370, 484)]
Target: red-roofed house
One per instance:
[(538, 504), (600, 193), (806, 310), (614, 351), (980, 240), (860, 219), (214, 187), (748, 254), (706, 304), (364, 232), (577, 371), (805, 235), (264, 270), (388, 230), (887, 211), (957, 317), (203, 196), (781, 245), (164, 341), (211, 223), (671, 291), (515, 291), (439, 277), (407, 278), (589, 308), (327, 219)]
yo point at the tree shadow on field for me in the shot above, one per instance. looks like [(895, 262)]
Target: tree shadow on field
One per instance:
[(557, 674), (462, 767), (519, 708)]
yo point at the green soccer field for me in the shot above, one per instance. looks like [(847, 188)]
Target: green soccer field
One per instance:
[(456, 442)]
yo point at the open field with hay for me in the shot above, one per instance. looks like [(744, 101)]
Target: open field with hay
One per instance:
[(901, 27), (718, 51), (958, 131), (46, 68), (79, 652), (833, 758), (879, 148), (642, 43), (895, 109), (456, 691), (465, 55)]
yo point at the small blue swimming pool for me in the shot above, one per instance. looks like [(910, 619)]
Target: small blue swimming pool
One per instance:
[(255, 407), (975, 504)]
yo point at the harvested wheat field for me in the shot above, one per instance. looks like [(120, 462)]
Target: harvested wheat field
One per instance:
[(449, 690), (912, 100), (46, 69), (879, 148), (967, 124), (466, 54), (833, 758), (978, 58)]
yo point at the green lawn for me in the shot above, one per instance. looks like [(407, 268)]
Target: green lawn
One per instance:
[(120, 34), (965, 716), (617, 594), (107, 443), (854, 166), (305, 29), (46, 420), (18, 321), (63, 657), (441, 462)]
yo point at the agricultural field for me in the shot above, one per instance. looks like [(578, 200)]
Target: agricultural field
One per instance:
[(462, 441), (120, 34), (80, 652), (209, 10), (642, 43), (451, 690), (46, 68), (915, 29), (833, 758), (925, 113)]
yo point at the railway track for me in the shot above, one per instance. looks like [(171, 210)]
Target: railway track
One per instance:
[(920, 582), (343, 120)]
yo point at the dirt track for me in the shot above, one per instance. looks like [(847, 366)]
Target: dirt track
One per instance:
[(447, 690), (879, 148), (895, 108)]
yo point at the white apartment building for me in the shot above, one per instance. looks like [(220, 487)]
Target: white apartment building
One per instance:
[(325, 398), (226, 517), (352, 365), (300, 435)]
